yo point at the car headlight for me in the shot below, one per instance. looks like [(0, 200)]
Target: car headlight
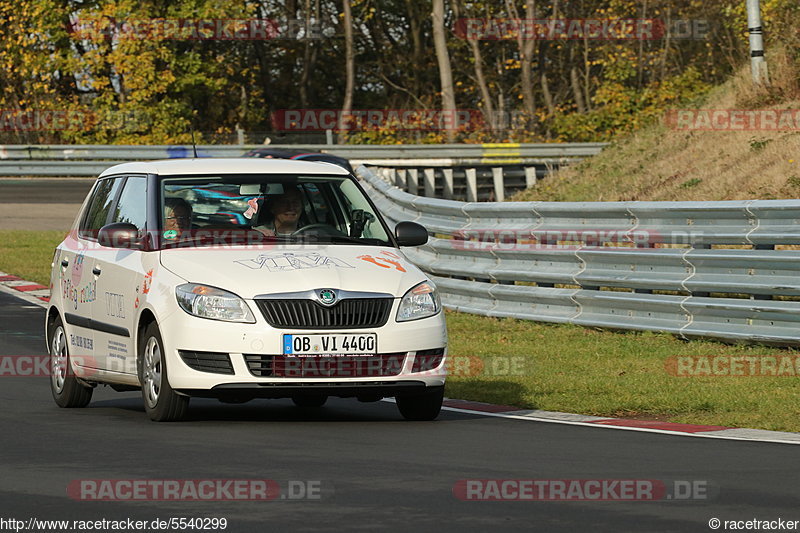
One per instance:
[(421, 301), (213, 303)]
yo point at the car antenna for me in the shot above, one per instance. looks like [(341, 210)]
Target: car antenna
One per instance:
[(194, 146)]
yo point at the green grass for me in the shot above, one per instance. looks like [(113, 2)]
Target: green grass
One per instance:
[(28, 254), (560, 367), (580, 370)]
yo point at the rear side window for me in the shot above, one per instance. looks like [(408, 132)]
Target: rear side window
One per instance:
[(132, 205), (98, 209)]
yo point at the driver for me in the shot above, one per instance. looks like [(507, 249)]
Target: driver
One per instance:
[(285, 209)]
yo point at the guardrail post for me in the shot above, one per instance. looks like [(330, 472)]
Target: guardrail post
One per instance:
[(499, 189), (763, 247), (530, 177), (472, 184), (429, 176), (447, 189), (400, 179), (413, 181)]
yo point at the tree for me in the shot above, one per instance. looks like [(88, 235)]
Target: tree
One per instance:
[(443, 59), (349, 61)]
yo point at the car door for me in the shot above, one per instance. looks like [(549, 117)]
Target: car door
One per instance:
[(118, 272), (77, 283)]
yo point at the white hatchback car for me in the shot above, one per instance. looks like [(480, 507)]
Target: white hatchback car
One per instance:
[(238, 279)]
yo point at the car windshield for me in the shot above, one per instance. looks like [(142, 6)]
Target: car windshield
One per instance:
[(203, 210)]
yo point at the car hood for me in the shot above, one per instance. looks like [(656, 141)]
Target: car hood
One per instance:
[(251, 271)]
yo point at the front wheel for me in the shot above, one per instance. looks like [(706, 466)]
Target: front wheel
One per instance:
[(161, 403), (67, 390), (421, 406)]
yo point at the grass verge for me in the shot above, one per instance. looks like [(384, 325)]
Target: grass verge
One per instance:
[(28, 254), (664, 162), (581, 370), (561, 367)]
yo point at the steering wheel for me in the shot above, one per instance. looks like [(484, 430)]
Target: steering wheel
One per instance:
[(318, 225)]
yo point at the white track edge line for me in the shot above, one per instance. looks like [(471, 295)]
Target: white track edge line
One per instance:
[(626, 428)]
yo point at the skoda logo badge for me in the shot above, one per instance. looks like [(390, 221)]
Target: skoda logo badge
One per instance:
[(327, 296)]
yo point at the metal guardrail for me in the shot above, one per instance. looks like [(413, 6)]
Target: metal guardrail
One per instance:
[(694, 269), (488, 152), (512, 159), (463, 181)]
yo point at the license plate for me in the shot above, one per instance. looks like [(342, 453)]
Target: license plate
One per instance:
[(364, 344)]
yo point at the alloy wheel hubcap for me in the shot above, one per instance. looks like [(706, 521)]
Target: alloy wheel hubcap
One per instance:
[(152, 371), (58, 360)]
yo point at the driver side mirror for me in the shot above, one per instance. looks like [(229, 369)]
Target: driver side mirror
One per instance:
[(119, 235), (410, 234)]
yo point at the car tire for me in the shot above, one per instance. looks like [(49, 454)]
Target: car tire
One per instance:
[(161, 403), (421, 406), (67, 390), (310, 400)]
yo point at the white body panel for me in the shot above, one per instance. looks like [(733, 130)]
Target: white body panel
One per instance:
[(133, 282)]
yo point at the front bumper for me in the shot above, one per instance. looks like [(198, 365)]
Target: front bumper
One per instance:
[(366, 390), (183, 332)]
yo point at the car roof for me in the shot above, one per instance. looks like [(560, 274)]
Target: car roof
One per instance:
[(210, 165), (274, 152)]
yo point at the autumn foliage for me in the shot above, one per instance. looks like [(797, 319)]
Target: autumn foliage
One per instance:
[(126, 75)]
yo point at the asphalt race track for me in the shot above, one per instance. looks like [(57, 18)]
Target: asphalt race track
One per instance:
[(372, 470), (42, 203)]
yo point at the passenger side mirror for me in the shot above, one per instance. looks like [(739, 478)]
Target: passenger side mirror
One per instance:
[(119, 235), (410, 234)]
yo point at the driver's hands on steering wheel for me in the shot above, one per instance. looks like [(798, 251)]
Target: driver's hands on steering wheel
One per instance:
[(330, 230)]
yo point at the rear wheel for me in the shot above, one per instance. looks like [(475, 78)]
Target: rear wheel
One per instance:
[(422, 406), (67, 390), (310, 400), (161, 403)]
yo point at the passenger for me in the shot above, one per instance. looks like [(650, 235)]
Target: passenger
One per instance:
[(178, 215)]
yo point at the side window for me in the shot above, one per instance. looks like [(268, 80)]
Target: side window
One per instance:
[(97, 211), (132, 205)]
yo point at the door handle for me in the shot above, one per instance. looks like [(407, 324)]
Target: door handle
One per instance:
[(65, 262), (96, 271)]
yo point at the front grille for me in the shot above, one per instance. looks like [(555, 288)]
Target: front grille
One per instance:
[(327, 367), (214, 362), (309, 314)]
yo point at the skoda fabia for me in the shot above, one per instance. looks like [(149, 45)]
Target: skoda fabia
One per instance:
[(239, 279)]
